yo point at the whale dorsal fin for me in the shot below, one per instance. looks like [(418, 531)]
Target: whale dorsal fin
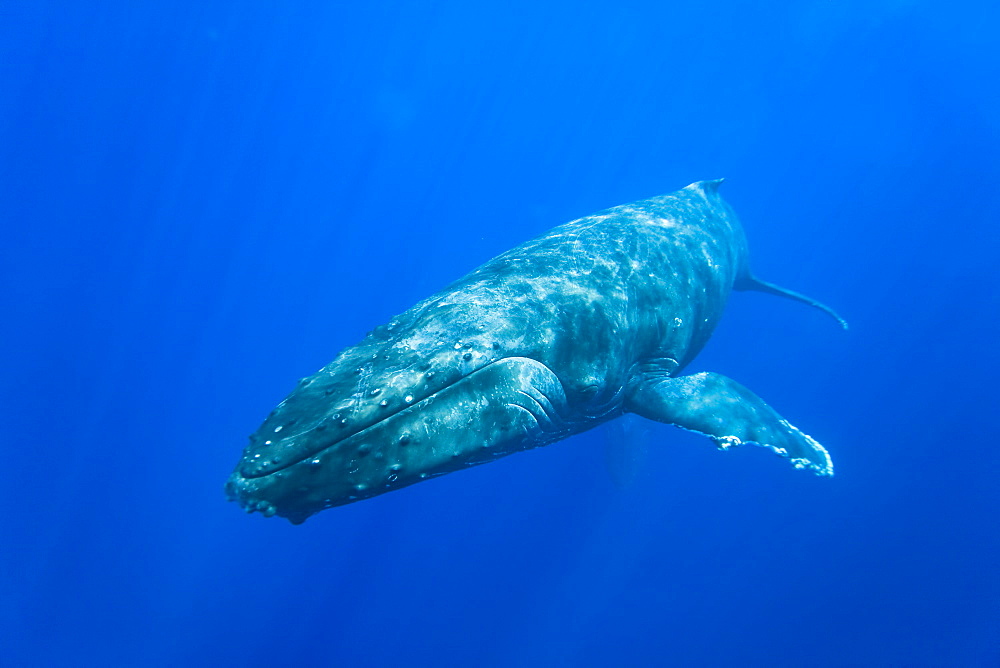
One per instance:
[(749, 282), (709, 186)]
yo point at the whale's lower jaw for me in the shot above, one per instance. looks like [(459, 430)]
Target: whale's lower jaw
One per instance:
[(510, 405)]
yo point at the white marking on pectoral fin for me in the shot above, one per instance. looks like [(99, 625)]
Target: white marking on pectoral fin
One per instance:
[(726, 412)]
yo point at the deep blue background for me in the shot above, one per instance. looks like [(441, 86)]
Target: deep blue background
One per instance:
[(203, 203)]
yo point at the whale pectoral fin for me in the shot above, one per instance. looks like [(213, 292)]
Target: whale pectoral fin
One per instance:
[(726, 412)]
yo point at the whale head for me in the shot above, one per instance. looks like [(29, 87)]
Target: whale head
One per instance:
[(381, 417)]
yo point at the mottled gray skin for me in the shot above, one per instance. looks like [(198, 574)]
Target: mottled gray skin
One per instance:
[(573, 328)]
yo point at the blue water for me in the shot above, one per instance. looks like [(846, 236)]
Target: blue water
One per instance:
[(203, 202)]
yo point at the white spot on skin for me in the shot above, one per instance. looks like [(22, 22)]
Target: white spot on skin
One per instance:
[(408, 398), (277, 429)]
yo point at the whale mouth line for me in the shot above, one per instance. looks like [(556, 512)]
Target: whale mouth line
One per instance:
[(313, 452)]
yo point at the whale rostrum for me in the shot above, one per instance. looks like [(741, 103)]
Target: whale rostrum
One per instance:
[(594, 319)]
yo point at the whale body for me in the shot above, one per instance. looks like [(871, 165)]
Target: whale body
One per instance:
[(594, 319)]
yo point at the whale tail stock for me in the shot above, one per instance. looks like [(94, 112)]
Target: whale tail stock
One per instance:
[(748, 282)]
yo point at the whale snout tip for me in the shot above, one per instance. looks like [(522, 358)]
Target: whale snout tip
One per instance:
[(238, 490)]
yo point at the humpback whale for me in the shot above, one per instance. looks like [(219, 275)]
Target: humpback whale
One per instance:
[(592, 320)]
